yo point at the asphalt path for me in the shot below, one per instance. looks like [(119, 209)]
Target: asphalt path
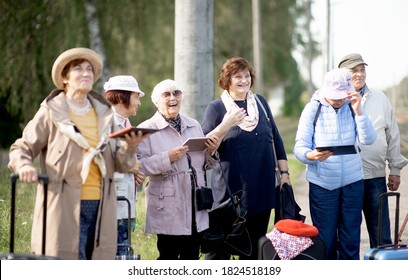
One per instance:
[(301, 192)]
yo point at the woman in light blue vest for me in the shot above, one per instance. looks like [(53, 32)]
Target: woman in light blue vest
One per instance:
[(330, 129)]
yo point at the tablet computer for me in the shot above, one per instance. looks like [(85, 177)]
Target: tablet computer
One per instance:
[(128, 130), (195, 144), (339, 150)]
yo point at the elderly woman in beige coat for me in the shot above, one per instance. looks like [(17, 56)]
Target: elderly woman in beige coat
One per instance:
[(69, 132), (171, 207)]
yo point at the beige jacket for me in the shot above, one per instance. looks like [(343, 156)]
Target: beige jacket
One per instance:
[(61, 159), (387, 146)]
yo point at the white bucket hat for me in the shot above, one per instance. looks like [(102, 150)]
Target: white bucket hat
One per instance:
[(123, 82), (337, 83)]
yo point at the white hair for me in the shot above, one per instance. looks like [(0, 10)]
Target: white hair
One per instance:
[(163, 86)]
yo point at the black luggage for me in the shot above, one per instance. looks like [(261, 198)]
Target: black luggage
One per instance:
[(394, 251), (130, 255), (317, 251), (11, 255)]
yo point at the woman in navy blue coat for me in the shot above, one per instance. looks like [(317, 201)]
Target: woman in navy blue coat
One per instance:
[(247, 162)]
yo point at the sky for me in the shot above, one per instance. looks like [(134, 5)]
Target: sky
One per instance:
[(377, 29)]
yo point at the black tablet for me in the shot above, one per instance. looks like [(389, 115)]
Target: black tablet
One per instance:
[(127, 130), (339, 150)]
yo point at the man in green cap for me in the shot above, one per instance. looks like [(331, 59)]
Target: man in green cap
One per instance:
[(385, 149)]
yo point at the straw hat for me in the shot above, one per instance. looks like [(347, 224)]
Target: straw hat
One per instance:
[(76, 53)]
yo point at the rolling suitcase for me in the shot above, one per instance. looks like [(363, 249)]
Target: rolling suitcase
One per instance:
[(394, 251), (11, 255), (317, 251), (130, 255)]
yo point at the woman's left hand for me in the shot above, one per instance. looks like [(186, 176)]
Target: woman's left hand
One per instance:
[(212, 143), (139, 175), (285, 178), (139, 178)]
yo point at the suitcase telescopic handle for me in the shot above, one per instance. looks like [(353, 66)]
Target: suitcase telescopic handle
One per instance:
[(14, 178), (124, 198), (380, 209)]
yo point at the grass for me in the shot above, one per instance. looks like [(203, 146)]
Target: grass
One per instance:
[(143, 244), (25, 195)]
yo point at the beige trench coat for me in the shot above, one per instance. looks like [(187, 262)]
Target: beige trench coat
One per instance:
[(61, 159)]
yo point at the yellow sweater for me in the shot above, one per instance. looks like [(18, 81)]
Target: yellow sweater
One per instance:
[(88, 125)]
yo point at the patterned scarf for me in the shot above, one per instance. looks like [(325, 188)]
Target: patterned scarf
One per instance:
[(288, 246), (252, 118), (174, 122)]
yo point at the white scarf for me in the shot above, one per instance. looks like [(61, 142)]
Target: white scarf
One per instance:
[(94, 154), (251, 120)]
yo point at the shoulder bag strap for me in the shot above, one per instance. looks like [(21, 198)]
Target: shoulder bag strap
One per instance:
[(277, 172)]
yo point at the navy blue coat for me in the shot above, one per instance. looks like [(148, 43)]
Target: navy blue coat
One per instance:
[(246, 158)]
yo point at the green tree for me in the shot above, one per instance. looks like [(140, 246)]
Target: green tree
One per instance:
[(138, 39), (33, 34)]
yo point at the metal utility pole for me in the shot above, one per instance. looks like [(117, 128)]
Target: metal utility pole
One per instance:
[(257, 44), (309, 49), (326, 45), (193, 63)]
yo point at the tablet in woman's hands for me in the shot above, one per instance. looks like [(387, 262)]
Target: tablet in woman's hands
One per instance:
[(339, 150), (195, 144), (128, 130)]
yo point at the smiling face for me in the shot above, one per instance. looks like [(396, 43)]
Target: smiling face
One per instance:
[(240, 84), (169, 103), (237, 77), (79, 77)]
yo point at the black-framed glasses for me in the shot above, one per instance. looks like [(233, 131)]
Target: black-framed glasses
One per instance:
[(176, 94)]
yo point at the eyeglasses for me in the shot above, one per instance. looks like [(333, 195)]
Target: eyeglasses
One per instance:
[(176, 94)]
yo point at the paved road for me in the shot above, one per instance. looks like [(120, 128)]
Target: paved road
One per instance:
[(301, 195)]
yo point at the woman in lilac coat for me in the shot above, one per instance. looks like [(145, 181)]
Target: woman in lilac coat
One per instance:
[(171, 209)]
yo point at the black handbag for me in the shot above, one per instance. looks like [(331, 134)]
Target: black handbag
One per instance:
[(286, 205), (203, 196), (227, 233)]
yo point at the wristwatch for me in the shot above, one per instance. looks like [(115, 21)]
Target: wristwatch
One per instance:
[(284, 172)]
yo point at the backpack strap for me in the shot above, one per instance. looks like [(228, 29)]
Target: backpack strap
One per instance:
[(317, 114), (352, 111), (320, 108)]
